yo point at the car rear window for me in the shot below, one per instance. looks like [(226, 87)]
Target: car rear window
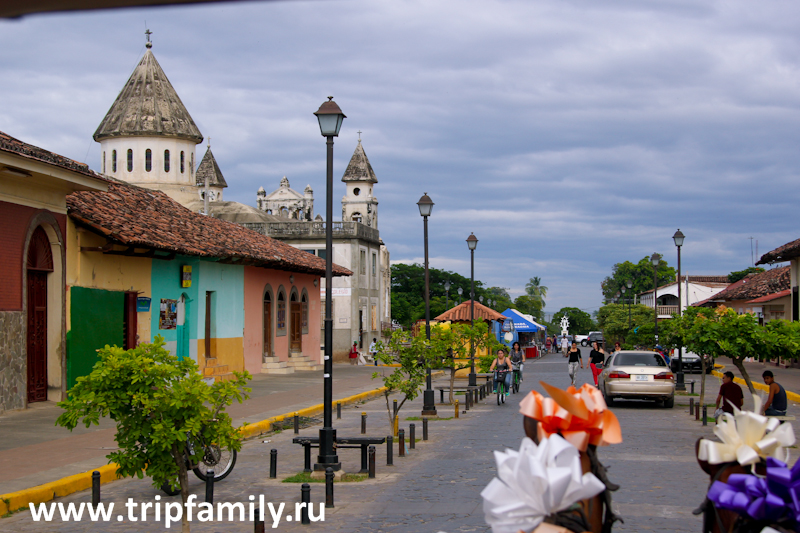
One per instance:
[(639, 359)]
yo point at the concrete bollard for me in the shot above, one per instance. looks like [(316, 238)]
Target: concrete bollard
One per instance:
[(691, 406), (389, 450), (424, 429), (209, 486), (296, 424), (305, 497), (363, 423), (95, 488), (329, 487), (339, 410), (697, 412), (456, 404), (273, 463), (466, 401), (402, 443), (371, 455), (411, 436)]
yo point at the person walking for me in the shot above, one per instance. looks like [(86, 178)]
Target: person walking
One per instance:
[(564, 345), (548, 344), (354, 353), (596, 357), (776, 402), (729, 393), (575, 359), (373, 351), (517, 357)]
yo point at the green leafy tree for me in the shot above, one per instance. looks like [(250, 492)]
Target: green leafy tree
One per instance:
[(536, 290), (159, 404), (735, 276), (612, 319), (640, 274), (503, 298), (529, 305), (580, 322)]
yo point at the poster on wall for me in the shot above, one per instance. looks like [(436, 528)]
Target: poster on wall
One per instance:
[(168, 315)]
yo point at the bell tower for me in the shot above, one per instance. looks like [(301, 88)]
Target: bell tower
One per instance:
[(359, 203)]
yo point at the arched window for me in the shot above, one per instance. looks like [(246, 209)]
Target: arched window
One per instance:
[(113, 160), (280, 326), (166, 160), (285, 212), (148, 160), (104, 161), (130, 160), (191, 163), (182, 162), (305, 313), (356, 191), (267, 324), (356, 217)]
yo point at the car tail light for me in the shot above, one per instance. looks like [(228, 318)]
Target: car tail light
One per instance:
[(619, 375), (664, 375)]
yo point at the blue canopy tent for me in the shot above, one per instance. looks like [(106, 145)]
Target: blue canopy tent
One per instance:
[(522, 324)]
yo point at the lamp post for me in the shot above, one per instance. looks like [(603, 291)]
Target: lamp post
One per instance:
[(472, 243), (330, 119), (447, 295), (655, 259), (425, 205), (481, 299), (627, 301), (678, 239), (460, 292)]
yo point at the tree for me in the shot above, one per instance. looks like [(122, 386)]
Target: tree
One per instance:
[(612, 319), (536, 290), (503, 298), (528, 305), (736, 275), (580, 322), (640, 274), (159, 404)]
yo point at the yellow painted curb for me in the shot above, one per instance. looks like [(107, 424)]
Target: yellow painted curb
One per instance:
[(760, 386)]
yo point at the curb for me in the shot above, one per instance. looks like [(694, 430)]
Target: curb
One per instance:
[(760, 386), (14, 501)]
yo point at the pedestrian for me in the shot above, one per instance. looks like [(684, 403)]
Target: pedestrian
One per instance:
[(596, 357), (776, 402), (730, 394), (574, 359), (501, 364), (354, 353), (373, 351), (547, 344), (517, 357), (564, 345)]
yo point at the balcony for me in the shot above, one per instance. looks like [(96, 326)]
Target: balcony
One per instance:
[(667, 310), (315, 230)]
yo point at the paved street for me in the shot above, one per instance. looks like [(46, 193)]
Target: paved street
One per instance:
[(436, 488)]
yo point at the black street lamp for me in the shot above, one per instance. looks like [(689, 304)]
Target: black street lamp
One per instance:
[(472, 242), (460, 292), (330, 119), (447, 295), (627, 301), (655, 259), (678, 239), (425, 205)]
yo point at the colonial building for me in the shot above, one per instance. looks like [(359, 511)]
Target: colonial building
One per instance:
[(693, 289), (765, 294), (788, 252), (286, 202)]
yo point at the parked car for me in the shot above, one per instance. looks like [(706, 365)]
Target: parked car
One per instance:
[(582, 340), (595, 336), (638, 375), (585, 341), (691, 362)]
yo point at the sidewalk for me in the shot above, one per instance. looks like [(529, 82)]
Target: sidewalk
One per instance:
[(36, 451), (788, 377)]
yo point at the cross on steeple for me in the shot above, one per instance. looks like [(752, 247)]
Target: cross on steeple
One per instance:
[(148, 33), (359, 136), (209, 143)]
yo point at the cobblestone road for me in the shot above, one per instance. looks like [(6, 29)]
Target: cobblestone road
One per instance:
[(436, 488)]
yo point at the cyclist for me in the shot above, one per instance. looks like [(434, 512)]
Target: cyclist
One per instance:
[(517, 357), (501, 363)]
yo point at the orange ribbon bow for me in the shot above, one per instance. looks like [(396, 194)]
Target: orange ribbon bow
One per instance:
[(578, 415)]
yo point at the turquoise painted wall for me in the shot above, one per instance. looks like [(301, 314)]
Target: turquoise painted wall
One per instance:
[(227, 282), (166, 283)]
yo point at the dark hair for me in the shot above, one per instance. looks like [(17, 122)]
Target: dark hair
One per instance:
[(501, 350), (516, 343), (729, 374), (767, 374)]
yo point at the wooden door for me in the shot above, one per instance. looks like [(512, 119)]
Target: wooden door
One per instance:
[(267, 326), (37, 336), (296, 330)]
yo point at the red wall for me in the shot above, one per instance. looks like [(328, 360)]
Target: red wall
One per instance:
[(14, 223)]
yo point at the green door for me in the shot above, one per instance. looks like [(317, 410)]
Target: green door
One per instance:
[(96, 317)]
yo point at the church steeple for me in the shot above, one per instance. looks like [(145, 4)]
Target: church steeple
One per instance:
[(359, 204), (359, 168)]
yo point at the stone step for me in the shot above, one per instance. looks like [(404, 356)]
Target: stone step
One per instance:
[(285, 370), (309, 368), (271, 359), (227, 376), (281, 364), (215, 370), (211, 361), (299, 358)]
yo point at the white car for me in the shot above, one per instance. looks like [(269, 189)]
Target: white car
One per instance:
[(583, 340), (691, 362)]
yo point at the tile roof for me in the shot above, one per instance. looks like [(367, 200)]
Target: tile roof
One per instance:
[(771, 297), (138, 217), (755, 286), (706, 279), (359, 168), (148, 105), (15, 146), (787, 252), (209, 167), (461, 312)]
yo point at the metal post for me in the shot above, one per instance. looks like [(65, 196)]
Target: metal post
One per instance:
[(456, 405), (691, 406), (472, 378), (424, 429), (327, 435), (697, 412), (363, 423), (273, 463), (466, 401), (389, 450), (296, 424), (339, 410), (428, 396), (411, 436), (401, 443), (209, 486), (692, 387), (679, 383), (371, 455), (655, 301), (305, 497), (329, 487), (705, 415), (95, 488), (258, 526)]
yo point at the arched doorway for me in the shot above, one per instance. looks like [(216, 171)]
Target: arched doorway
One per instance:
[(296, 325), (39, 265), (267, 328)]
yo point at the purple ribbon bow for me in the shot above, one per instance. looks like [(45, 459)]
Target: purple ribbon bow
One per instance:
[(774, 498)]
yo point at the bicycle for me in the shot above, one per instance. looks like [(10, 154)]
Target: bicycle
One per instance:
[(500, 379), (220, 460), (515, 380)]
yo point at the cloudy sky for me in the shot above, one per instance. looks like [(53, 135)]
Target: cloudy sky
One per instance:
[(567, 135)]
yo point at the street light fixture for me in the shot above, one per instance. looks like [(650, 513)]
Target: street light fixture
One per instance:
[(447, 295), (425, 205), (655, 259), (623, 289), (678, 239), (330, 119), (460, 292), (472, 243)]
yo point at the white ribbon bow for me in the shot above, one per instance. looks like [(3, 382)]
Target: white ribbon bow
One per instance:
[(534, 482), (747, 438)]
